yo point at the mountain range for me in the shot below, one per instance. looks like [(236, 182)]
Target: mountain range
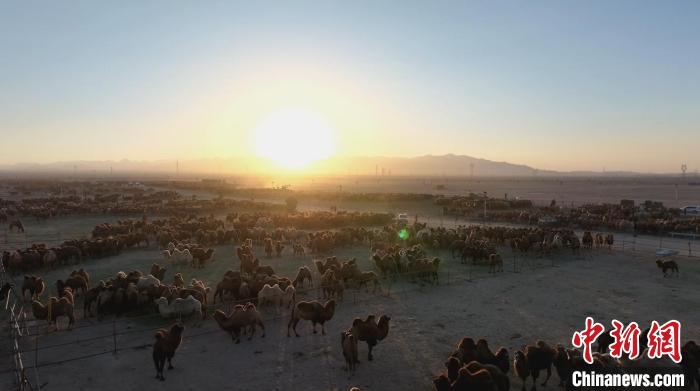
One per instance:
[(427, 165)]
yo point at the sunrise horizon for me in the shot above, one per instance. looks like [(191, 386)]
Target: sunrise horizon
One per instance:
[(155, 82)]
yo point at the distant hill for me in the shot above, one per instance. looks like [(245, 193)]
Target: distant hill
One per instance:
[(428, 165), (452, 165)]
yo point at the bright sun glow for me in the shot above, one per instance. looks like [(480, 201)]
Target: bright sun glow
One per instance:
[(294, 138)]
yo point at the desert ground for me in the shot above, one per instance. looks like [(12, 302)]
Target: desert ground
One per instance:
[(534, 298), (541, 190)]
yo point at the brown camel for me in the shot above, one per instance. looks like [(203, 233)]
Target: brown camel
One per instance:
[(371, 331), (53, 309)]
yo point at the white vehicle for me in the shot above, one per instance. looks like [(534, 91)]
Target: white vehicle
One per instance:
[(691, 210), (402, 218)]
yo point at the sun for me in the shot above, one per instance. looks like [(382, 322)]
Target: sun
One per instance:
[(293, 138)]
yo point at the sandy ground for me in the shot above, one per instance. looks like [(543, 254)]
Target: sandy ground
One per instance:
[(548, 299)]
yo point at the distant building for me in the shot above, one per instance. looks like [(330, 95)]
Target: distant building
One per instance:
[(212, 181)]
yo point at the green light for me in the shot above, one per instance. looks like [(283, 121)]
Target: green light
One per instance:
[(403, 234)]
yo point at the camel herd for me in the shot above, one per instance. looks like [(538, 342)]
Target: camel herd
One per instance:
[(191, 232), (646, 218), (473, 366), (186, 239)]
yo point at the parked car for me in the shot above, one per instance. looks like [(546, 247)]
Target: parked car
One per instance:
[(690, 210)]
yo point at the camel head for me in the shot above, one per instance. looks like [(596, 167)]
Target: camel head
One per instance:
[(39, 310), (177, 329), (220, 316), (441, 383)]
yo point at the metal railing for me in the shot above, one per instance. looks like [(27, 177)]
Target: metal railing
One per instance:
[(17, 321)]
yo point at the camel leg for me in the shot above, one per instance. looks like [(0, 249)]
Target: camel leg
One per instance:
[(370, 345), (155, 364), (314, 327), (549, 374), (170, 363), (262, 326), (293, 325), (252, 332), (535, 374), (323, 329)]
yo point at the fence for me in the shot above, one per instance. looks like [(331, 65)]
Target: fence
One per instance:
[(685, 244), (649, 245), (17, 322), (16, 240)]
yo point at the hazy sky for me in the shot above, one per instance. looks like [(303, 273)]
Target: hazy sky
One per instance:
[(553, 84)]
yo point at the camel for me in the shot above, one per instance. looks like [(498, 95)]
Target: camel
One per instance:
[(371, 331), (75, 282), (587, 240), (484, 355), (539, 357), (178, 280), (313, 311), (49, 259), (303, 274), (609, 241), (367, 278), (599, 240), (200, 256), (16, 224), (502, 381), (691, 362), (91, 296), (54, 308), (35, 286), (271, 294), (82, 273), (474, 380), (268, 247), (298, 249), (179, 307), (227, 284), (466, 350), (665, 266), (495, 263), (348, 342), (521, 367), (279, 247), (158, 271), (164, 348), (240, 318)]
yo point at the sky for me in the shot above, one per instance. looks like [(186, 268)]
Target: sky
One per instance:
[(561, 85)]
